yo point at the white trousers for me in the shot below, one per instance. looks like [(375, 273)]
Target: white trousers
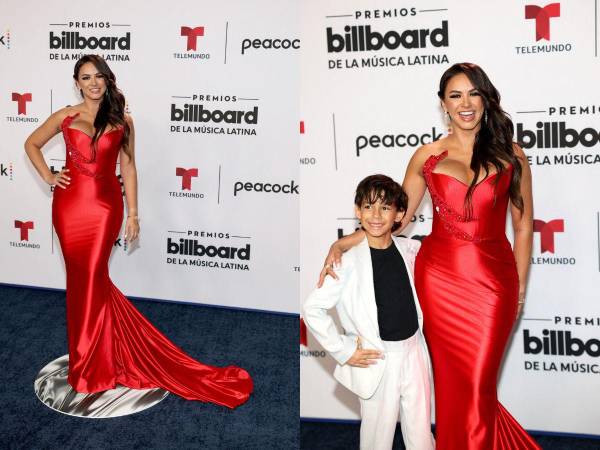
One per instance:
[(404, 390)]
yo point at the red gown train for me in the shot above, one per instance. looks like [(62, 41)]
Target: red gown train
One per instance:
[(110, 342), (467, 282)]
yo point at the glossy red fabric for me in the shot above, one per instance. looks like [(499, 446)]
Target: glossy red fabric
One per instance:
[(110, 342), (467, 283)]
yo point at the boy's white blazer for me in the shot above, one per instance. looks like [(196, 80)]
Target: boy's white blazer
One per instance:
[(353, 295)]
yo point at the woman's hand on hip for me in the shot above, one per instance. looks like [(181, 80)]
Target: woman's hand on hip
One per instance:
[(60, 179)]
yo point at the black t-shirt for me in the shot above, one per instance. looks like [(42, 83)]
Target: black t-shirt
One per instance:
[(396, 311)]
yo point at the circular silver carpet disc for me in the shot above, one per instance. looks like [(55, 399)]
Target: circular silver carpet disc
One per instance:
[(53, 390)]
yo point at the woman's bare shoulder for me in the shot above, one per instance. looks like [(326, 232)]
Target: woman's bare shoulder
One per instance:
[(57, 118), (518, 150), (128, 119), (425, 151)]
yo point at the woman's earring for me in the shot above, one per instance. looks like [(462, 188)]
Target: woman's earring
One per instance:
[(448, 122), (485, 117)]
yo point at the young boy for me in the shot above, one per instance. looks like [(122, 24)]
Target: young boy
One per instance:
[(382, 356)]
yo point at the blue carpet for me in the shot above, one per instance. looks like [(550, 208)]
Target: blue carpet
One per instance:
[(345, 436), (33, 332)]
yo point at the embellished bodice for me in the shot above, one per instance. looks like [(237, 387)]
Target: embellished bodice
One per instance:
[(83, 158), (487, 220)]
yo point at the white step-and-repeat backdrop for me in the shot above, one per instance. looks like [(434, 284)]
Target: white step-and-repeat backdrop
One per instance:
[(206, 187), (370, 72)]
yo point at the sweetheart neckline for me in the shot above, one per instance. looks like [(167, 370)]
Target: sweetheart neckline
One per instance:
[(462, 182), (91, 137), (444, 154), (67, 121)]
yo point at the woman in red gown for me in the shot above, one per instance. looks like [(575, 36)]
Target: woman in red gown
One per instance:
[(470, 283), (110, 342)]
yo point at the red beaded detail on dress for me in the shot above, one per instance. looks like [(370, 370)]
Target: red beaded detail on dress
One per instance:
[(78, 159), (447, 214)]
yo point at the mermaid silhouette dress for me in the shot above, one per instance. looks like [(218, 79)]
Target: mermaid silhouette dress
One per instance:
[(467, 282), (110, 342)]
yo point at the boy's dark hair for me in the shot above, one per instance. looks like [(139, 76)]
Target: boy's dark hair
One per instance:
[(381, 187)]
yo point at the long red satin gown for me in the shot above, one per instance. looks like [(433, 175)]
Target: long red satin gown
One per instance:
[(467, 283), (110, 342)]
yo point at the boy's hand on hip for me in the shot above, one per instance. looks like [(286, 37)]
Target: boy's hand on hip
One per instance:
[(365, 358)]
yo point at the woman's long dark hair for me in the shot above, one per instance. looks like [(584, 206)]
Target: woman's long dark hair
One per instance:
[(112, 106), (494, 140)]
